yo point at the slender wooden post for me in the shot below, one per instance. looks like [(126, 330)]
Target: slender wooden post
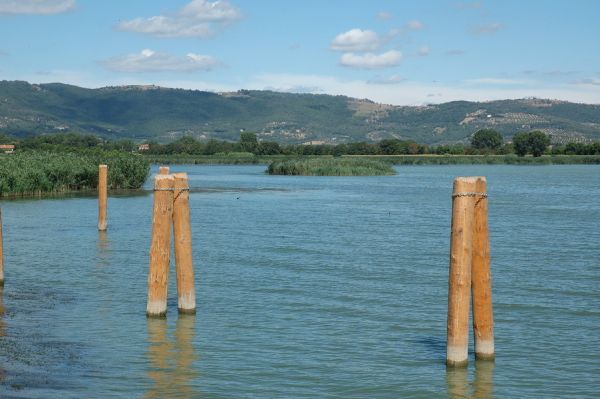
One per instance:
[(483, 319), (102, 196), (163, 170), (1, 253), (459, 281), (161, 246), (183, 245)]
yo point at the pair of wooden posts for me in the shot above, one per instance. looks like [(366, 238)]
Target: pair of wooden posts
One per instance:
[(171, 208), (469, 273)]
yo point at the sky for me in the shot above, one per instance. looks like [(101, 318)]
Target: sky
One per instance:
[(389, 51)]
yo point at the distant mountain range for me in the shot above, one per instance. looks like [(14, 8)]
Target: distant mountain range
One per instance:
[(162, 114)]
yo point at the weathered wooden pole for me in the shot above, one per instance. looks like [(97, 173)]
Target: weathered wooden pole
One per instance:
[(160, 248), (1, 253), (459, 279), (163, 170), (481, 281), (102, 196), (183, 245)]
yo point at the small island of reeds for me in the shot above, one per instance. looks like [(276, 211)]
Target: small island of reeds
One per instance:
[(331, 167)]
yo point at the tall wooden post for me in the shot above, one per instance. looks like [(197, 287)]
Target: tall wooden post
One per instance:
[(161, 246), (163, 170), (183, 245), (1, 253), (459, 281), (102, 196), (483, 319)]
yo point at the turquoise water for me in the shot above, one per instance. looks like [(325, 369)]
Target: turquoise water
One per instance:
[(307, 287)]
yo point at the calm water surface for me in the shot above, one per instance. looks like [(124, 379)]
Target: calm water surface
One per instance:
[(307, 287)]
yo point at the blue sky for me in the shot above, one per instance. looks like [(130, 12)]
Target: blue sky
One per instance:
[(397, 52)]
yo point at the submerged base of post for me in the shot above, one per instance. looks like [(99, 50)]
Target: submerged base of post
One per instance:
[(187, 304), (456, 357), (156, 309), (484, 350)]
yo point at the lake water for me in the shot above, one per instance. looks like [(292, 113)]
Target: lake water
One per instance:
[(307, 287)]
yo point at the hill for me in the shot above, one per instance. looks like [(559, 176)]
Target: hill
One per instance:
[(152, 112)]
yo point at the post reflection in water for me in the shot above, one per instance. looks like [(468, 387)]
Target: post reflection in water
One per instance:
[(171, 363), (2, 328), (484, 379), (102, 247), (457, 381)]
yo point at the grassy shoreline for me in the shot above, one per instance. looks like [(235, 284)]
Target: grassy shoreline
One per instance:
[(509, 159), (37, 174)]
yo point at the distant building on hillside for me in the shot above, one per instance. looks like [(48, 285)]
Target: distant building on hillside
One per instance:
[(143, 147), (7, 148), (314, 142)]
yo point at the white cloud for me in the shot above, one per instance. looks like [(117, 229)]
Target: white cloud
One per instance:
[(386, 80), (423, 51), (371, 61), (455, 52), (414, 25), (384, 16), (35, 6), (151, 61), (218, 11), (498, 81), (587, 82), (356, 40), (487, 29), (196, 19)]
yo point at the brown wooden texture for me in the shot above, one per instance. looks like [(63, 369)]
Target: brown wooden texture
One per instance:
[(459, 280), (163, 170), (481, 282), (160, 248), (183, 245), (102, 196)]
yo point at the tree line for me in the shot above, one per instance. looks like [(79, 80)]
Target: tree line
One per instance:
[(482, 142)]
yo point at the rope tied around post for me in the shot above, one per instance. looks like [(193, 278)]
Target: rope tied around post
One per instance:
[(470, 194), (179, 190), (172, 189)]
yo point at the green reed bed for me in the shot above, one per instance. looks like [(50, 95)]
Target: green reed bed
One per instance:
[(331, 167), (38, 173)]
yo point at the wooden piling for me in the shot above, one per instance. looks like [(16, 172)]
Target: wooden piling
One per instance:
[(161, 246), (1, 253), (163, 170), (102, 196), (183, 245), (481, 284), (459, 280)]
